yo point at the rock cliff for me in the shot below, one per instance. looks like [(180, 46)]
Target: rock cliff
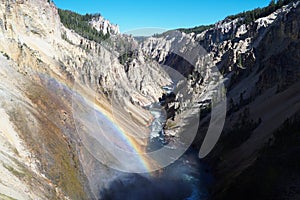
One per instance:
[(43, 64), (101, 24), (47, 70), (259, 63)]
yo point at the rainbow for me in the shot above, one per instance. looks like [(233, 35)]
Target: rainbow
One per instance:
[(129, 141)]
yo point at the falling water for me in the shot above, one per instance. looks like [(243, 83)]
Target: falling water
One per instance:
[(186, 179)]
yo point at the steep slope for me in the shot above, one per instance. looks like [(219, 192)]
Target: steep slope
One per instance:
[(260, 65), (56, 84), (44, 66)]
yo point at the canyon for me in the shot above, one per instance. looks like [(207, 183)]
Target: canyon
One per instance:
[(76, 114)]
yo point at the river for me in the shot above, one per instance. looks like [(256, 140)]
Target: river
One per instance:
[(186, 179)]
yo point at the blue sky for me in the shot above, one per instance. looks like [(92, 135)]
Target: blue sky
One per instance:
[(166, 14)]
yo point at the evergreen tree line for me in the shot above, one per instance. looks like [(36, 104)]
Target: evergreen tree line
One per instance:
[(197, 29), (80, 24), (247, 17), (252, 15)]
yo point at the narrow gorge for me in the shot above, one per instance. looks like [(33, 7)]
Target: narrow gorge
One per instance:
[(90, 113)]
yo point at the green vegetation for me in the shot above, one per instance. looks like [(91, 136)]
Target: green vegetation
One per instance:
[(197, 29), (126, 57), (170, 124), (164, 34), (246, 17), (4, 197), (252, 15), (58, 158), (64, 36), (240, 60), (5, 55), (80, 24), (14, 171)]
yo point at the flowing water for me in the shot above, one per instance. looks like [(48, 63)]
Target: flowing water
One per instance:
[(186, 179)]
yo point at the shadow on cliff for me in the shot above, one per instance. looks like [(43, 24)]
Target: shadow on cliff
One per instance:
[(134, 187)]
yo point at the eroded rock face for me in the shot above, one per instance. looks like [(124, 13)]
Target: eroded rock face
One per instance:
[(260, 67), (42, 155), (101, 24), (41, 151)]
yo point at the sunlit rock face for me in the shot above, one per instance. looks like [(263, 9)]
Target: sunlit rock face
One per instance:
[(43, 75), (42, 156), (101, 24), (260, 67)]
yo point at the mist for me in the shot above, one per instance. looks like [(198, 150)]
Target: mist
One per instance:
[(187, 178)]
